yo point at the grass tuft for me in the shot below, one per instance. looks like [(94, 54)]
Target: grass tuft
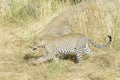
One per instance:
[(55, 71), (21, 20)]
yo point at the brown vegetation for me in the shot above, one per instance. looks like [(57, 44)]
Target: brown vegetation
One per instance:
[(22, 21)]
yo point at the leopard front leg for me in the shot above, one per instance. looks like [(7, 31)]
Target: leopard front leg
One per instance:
[(43, 59), (54, 56)]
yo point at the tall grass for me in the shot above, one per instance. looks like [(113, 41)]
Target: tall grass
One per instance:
[(20, 11), (34, 14)]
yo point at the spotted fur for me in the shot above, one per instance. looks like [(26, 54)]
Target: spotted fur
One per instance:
[(67, 44)]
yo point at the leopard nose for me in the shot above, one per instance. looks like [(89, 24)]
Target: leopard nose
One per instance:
[(34, 48)]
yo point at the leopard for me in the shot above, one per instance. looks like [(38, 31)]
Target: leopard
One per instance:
[(66, 44)]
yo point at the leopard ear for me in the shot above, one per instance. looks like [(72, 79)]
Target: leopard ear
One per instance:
[(34, 42)]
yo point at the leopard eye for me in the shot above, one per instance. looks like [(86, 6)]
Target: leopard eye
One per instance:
[(34, 48)]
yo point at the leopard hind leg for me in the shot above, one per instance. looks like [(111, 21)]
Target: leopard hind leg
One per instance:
[(87, 50), (79, 57)]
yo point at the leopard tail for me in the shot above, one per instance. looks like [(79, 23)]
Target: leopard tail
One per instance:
[(101, 46)]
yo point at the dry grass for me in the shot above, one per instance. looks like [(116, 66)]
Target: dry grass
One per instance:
[(16, 34)]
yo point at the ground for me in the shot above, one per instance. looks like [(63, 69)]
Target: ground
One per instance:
[(14, 42)]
